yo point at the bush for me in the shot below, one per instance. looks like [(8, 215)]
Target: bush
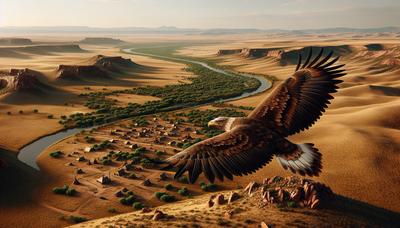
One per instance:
[(208, 187), (56, 154), (169, 187), (183, 191), (35, 110), (167, 198), (129, 200), (137, 205), (8, 113), (21, 112), (50, 116), (77, 219), (160, 153), (159, 194), (65, 190), (70, 192)]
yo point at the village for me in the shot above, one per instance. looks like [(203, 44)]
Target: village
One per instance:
[(123, 163)]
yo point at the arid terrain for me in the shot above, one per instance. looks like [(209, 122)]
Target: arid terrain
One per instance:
[(47, 84)]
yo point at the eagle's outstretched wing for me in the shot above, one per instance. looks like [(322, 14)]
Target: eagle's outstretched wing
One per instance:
[(237, 152), (300, 100)]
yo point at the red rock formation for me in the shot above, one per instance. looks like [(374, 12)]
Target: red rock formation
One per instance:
[(72, 72), (113, 63), (229, 51), (18, 80)]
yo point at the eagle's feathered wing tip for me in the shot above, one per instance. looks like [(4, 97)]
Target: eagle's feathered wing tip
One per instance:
[(308, 163)]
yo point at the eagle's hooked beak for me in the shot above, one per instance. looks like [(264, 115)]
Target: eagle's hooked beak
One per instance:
[(212, 124)]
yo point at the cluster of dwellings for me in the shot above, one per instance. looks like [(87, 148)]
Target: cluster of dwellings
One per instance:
[(160, 134)]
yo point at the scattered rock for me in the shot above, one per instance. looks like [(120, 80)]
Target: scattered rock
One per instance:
[(228, 214), (219, 199), (158, 215), (263, 225), (233, 196), (251, 187)]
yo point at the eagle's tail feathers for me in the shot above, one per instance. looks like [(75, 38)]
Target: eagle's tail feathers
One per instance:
[(307, 160)]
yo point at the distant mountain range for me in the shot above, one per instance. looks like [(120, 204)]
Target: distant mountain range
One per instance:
[(188, 31)]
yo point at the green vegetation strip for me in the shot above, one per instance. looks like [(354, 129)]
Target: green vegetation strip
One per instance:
[(207, 86)]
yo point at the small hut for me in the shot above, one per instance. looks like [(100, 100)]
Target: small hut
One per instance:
[(104, 180), (81, 159)]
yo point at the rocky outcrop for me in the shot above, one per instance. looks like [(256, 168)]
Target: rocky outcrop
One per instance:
[(295, 192), (229, 51), (113, 63), (101, 40), (15, 41), (253, 52), (18, 80), (74, 72), (100, 67)]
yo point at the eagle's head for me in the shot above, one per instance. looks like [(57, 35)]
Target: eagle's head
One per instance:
[(221, 123)]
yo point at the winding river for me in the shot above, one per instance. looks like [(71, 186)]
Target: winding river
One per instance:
[(29, 153)]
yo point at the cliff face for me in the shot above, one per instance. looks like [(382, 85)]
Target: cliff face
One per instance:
[(18, 80), (72, 72), (228, 51), (113, 63), (100, 67), (253, 52), (101, 40), (15, 41)]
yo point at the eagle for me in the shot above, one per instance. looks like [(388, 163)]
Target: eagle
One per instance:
[(249, 143)]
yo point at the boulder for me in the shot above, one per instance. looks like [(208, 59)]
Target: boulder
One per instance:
[(233, 196)]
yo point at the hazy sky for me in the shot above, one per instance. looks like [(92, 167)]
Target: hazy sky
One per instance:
[(267, 14)]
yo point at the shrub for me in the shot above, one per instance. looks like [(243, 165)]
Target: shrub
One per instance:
[(208, 187), (160, 153), (21, 112), (8, 113), (137, 205), (167, 198), (50, 116), (65, 190), (35, 110), (56, 154), (112, 210), (77, 219), (169, 187), (70, 192), (183, 191), (129, 200), (159, 194)]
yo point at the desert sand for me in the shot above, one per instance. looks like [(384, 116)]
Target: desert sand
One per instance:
[(358, 135)]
